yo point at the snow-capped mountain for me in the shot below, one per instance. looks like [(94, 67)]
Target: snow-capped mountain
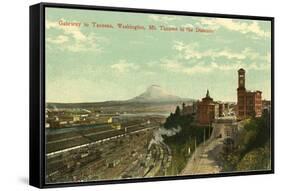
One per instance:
[(155, 93)]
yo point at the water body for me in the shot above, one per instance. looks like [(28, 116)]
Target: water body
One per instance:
[(127, 115)]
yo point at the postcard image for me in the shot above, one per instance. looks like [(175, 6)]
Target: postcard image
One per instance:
[(143, 95)]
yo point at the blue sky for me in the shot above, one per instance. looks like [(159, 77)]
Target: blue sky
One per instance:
[(88, 64)]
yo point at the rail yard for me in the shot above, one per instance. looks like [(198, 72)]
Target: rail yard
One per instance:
[(106, 151)]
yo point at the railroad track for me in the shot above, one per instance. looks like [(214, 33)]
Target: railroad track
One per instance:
[(120, 133)]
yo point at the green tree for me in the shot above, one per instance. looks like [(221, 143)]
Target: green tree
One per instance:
[(178, 111)]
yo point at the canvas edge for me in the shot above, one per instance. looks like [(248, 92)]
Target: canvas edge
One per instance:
[(37, 95)]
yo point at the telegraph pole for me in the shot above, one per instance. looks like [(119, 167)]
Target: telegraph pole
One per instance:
[(204, 136), (195, 144), (210, 130)]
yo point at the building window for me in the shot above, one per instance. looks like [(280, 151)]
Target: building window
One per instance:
[(249, 108)]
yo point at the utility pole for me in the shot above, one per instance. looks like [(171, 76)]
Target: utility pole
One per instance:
[(195, 144), (210, 130), (204, 138)]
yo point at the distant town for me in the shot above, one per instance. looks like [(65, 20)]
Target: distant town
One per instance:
[(156, 134)]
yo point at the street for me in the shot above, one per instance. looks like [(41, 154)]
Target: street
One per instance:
[(203, 160)]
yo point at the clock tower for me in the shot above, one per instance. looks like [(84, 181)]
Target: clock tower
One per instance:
[(241, 79), (249, 103), (241, 94)]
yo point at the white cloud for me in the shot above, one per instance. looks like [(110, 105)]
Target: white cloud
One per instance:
[(171, 64), (51, 24), (175, 65), (123, 66), (197, 69), (58, 40), (71, 38), (236, 65), (73, 31), (234, 25), (191, 60), (191, 51), (163, 18), (258, 66)]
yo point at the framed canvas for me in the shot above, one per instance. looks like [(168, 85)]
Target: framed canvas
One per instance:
[(123, 95)]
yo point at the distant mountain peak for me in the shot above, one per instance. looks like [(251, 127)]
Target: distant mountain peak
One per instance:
[(154, 86), (155, 93)]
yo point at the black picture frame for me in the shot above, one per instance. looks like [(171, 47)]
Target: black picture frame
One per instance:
[(37, 94)]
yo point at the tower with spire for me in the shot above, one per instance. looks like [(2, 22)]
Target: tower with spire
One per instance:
[(207, 94), (207, 98), (206, 109)]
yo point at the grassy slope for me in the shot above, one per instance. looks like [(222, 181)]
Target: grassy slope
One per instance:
[(253, 150)]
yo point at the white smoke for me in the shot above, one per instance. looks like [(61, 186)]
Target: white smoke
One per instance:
[(158, 139), (55, 108), (88, 111)]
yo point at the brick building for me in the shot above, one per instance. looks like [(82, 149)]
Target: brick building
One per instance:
[(206, 110), (189, 109), (249, 103)]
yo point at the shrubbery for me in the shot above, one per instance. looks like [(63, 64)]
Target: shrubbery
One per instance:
[(253, 149), (184, 141)]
